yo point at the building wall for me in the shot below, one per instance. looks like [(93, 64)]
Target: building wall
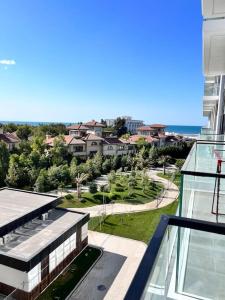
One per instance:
[(13, 277), (84, 232), (94, 148), (60, 253), (72, 149), (95, 130), (109, 150)]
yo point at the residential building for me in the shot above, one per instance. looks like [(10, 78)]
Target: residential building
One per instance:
[(186, 255), (78, 130), (133, 139), (89, 144), (132, 125), (10, 139), (152, 130), (94, 127), (93, 144), (76, 145), (37, 241), (110, 122), (114, 146)]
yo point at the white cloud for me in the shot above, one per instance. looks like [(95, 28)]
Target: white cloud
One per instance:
[(7, 62)]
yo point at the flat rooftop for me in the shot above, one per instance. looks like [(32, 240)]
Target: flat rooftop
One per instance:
[(28, 240), (15, 204)]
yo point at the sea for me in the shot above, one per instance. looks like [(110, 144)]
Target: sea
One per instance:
[(180, 129)]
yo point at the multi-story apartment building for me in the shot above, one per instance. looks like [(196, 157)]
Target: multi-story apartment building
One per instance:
[(132, 125), (37, 241), (186, 256)]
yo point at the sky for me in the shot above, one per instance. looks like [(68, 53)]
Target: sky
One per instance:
[(77, 60)]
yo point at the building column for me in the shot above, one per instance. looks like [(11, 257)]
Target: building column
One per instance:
[(220, 111)]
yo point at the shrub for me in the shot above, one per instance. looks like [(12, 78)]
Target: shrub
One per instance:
[(93, 188), (119, 189), (179, 163), (69, 197)]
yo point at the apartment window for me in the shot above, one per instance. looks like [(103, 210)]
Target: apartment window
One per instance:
[(121, 147), (94, 144), (110, 147)]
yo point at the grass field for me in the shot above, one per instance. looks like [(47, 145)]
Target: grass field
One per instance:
[(137, 226), (168, 177), (119, 193)]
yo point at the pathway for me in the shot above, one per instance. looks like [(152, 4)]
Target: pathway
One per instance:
[(111, 276), (170, 194)]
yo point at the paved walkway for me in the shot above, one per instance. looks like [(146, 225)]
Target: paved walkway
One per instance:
[(170, 194), (113, 273)]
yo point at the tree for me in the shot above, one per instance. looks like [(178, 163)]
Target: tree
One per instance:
[(97, 163), (78, 180), (58, 175), (106, 166), (23, 132), (4, 162), (131, 184), (18, 173), (111, 178), (59, 151), (145, 180), (93, 188), (120, 127), (73, 168), (10, 127), (179, 163), (163, 160), (153, 155), (42, 183)]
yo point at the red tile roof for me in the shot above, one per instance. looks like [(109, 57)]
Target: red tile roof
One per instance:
[(9, 138), (157, 126), (77, 127), (68, 139), (145, 128), (94, 123), (92, 137), (112, 141)]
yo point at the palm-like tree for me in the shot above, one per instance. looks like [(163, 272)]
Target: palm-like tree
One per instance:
[(163, 160), (78, 180)]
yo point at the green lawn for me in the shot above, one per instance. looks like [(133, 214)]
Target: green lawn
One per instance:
[(66, 282), (119, 193), (169, 176), (137, 226)]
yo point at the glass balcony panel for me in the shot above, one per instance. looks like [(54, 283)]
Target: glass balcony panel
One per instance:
[(204, 157), (190, 264), (211, 89)]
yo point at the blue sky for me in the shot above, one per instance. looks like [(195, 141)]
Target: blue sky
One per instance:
[(75, 60)]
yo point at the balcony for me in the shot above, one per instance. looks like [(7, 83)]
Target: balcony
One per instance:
[(203, 195), (211, 89), (184, 260), (213, 9)]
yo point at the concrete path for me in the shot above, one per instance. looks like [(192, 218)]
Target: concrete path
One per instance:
[(113, 273), (169, 195)]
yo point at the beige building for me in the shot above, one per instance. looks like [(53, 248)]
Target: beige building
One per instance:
[(10, 139)]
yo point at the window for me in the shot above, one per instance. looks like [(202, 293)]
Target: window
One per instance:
[(78, 148), (121, 147), (94, 144), (110, 147)]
